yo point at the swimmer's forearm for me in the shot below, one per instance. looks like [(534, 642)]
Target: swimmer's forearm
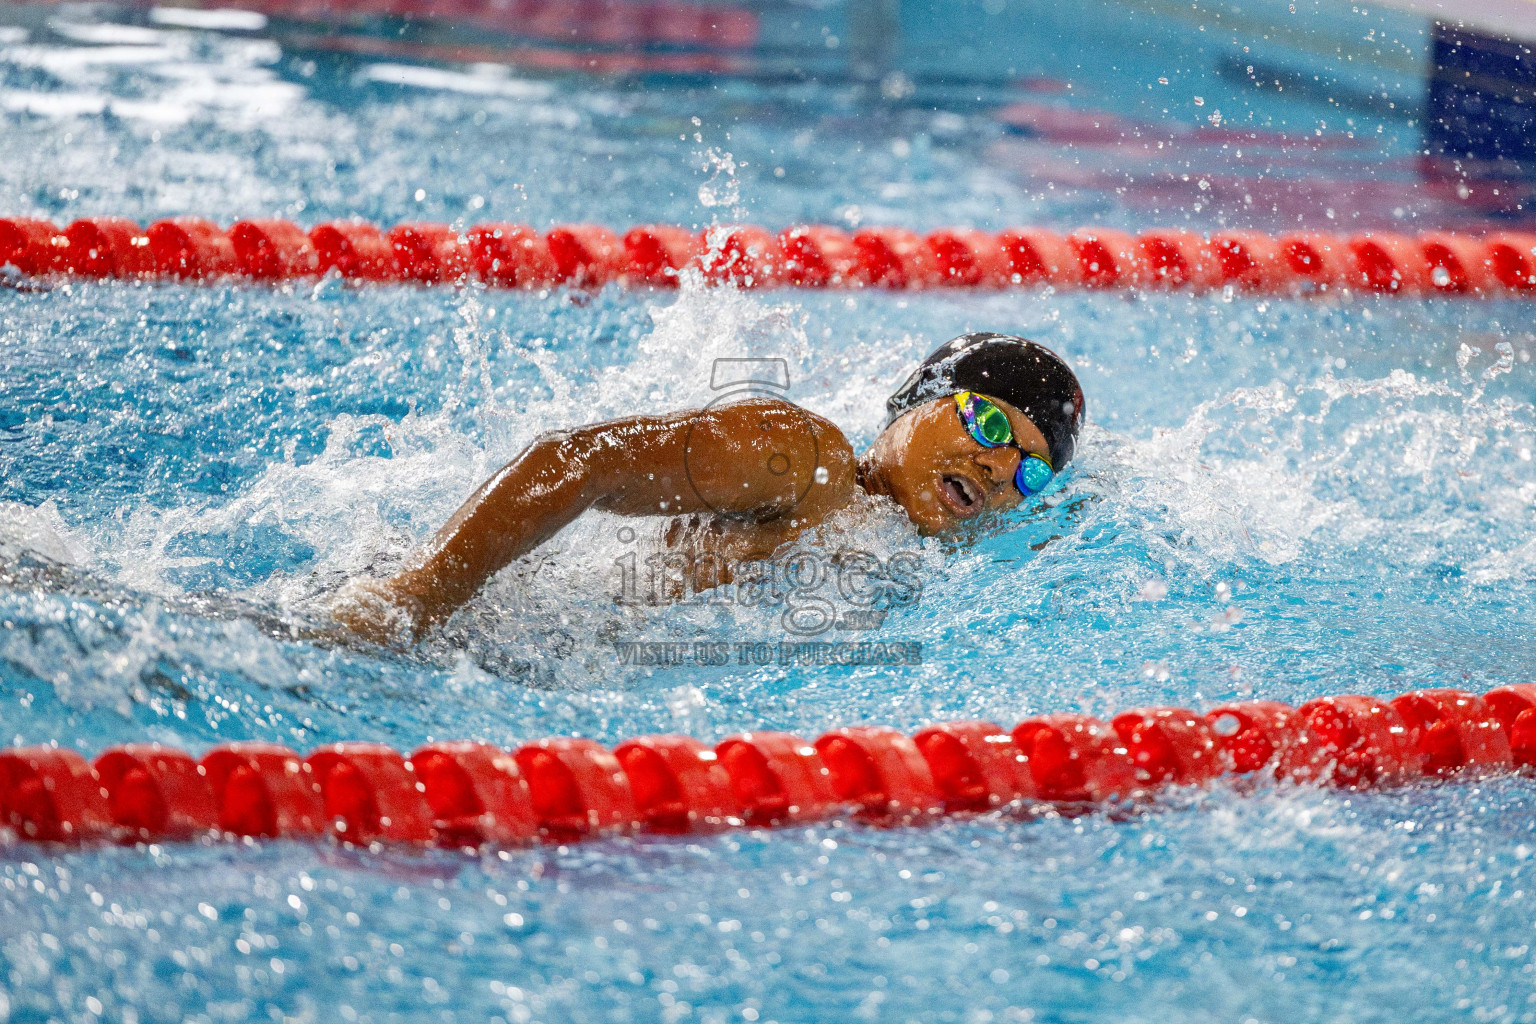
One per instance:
[(531, 499)]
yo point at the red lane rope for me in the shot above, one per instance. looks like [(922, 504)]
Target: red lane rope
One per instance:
[(560, 790), (804, 256)]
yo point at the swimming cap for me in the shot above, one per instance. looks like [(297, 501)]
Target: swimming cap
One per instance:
[(1028, 376)]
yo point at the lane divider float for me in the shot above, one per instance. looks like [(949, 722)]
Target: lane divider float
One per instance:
[(804, 256), (468, 794)]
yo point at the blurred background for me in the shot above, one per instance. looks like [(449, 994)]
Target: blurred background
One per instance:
[(1263, 113)]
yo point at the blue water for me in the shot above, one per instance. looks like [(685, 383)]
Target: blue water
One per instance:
[(1275, 499)]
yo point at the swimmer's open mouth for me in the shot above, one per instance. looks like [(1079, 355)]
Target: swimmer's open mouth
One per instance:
[(961, 494)]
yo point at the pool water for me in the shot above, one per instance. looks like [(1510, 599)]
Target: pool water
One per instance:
[(1274, 499)]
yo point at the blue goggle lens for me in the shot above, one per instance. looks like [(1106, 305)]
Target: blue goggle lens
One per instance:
[(1033, 474)]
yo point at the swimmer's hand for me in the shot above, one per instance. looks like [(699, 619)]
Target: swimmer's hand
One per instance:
[(376, 611)]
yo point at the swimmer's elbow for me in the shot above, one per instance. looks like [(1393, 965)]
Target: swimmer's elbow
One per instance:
[(555, 442), (576, 460)]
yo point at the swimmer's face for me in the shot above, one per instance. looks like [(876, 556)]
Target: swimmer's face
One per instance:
[(942, 476)]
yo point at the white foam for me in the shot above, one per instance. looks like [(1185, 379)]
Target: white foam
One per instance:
[(69, 61), (106, 33), (1264, 506), (485, 80), (1499, 566), (40, 530), (227, 19), (53, 104)]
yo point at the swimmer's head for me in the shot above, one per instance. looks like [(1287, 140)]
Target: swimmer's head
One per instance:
[(941, 462)]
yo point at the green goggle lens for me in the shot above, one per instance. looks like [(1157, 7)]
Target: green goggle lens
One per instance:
[(993, 424), (989, 427)]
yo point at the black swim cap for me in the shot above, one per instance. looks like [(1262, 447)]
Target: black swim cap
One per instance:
[(1028, 376)]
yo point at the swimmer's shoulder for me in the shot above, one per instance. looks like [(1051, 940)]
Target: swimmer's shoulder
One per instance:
[(827, 444)]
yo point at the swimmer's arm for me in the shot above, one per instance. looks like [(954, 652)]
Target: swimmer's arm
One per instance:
[(719, 459)]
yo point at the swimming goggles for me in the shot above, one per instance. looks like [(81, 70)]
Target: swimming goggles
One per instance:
[(989, 427)]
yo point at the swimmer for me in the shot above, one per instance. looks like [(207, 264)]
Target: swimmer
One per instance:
[(981, 425)]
